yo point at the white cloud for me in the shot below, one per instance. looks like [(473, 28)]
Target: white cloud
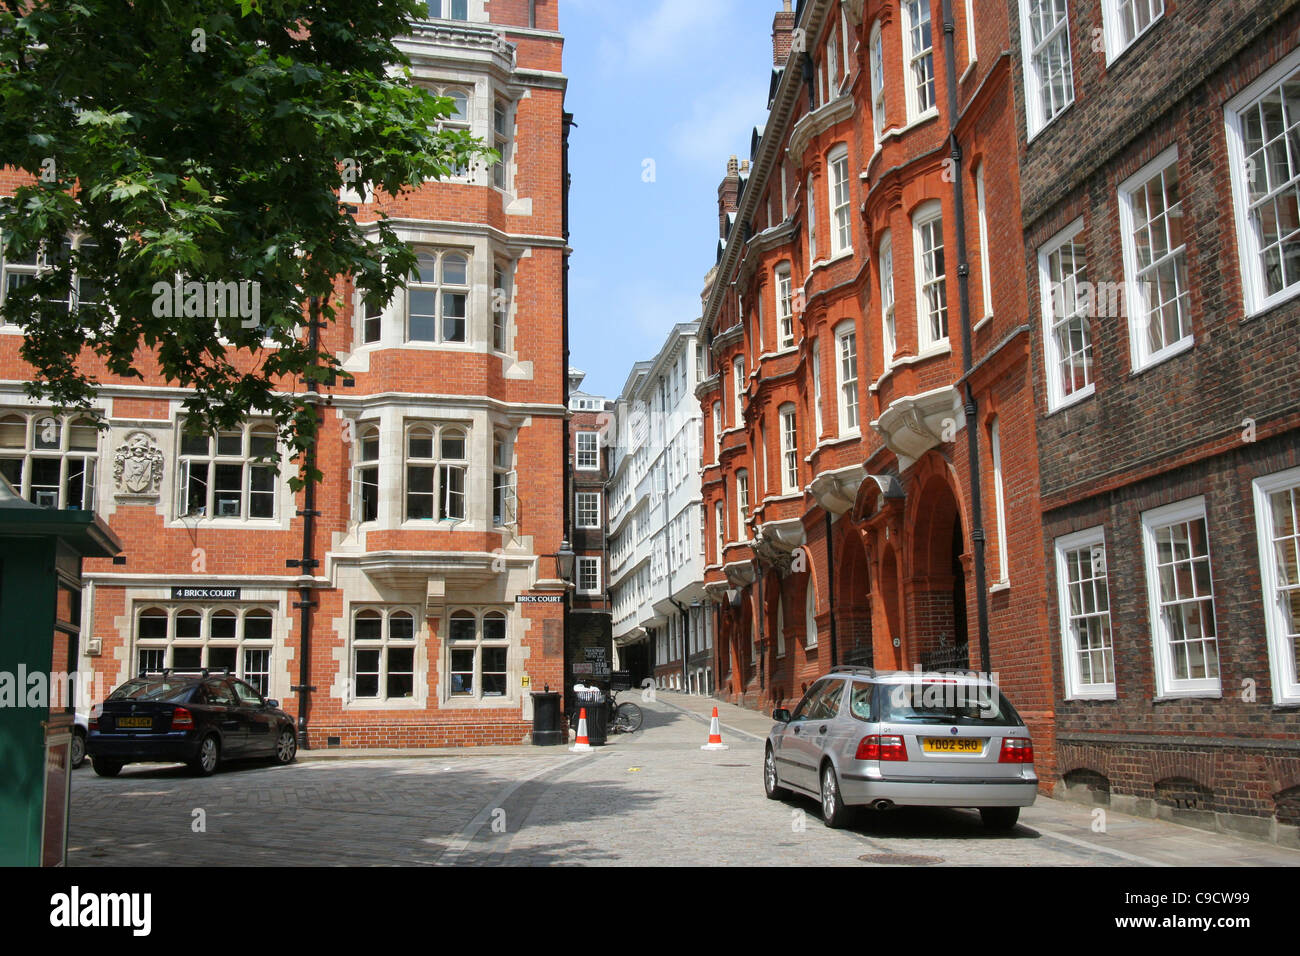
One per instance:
[(719, 122)]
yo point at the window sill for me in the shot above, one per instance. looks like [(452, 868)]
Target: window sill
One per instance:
[(1075, 398), (1173, 695), (982, 322), (1107, 693), (931, 114), (1000, 587), (941, 348), (1159, 358), (830, 442)]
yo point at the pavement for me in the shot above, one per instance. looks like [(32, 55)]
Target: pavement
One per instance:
[(653, 798)]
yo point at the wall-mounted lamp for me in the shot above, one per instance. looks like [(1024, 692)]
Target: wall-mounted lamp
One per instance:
[(564, 561)]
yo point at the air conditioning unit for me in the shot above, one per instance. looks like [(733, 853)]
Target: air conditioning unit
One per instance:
[(228, 509)]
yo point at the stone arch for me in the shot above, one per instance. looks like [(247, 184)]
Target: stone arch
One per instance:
[(1086, 785)]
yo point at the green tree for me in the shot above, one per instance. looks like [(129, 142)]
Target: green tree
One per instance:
[(206, 139)]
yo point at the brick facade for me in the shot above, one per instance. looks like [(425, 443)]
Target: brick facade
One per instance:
[(390, 584)]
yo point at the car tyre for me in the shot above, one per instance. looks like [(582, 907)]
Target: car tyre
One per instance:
[(834, 813), (78, 748), (771, 786), (105, 767), (999, 819), (209, 755), (286, 747)]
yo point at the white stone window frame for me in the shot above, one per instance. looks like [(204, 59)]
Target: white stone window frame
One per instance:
[(839, 201), (1255, 295), (742, 505), (789, 448), (738, 386), (37, 446), (784, 284), (587, 575), (441, 288), (1049, 299), (717, 430), (986, 271), (918, 90), (35, 267), (1141, 355), (1090, 540), (848, 401), (1036, 120), (363, 466), (477, 697), (1113, 16), (818, 409), (384, 645), (214, 458), (877, 67), (449, 7), (720, 529), (502, 132), (581, 461), (505, 481), (1167, 686), (1283, 638), (443, 494), (205, 641), (927, 225), (810, 204), (888, 300), (586, 506), (501, 306)]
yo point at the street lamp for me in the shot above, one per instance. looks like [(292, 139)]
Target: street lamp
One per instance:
[(564, 561)]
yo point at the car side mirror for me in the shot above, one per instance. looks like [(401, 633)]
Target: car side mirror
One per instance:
[(273, 703), (782, 715)]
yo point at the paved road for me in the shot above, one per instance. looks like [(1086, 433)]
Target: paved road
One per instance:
[(650, 798)]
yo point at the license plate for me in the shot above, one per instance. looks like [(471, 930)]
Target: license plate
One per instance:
[(953, 745), (142, 722)]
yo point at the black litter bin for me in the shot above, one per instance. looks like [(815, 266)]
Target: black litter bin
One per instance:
[(593, 701), (546, 720)]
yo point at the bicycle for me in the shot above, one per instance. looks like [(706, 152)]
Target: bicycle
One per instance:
[(624, 718)]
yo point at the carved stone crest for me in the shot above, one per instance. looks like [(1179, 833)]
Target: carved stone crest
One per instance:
[(138, 465)]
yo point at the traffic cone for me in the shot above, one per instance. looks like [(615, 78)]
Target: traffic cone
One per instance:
[(582, 744), (715, 735)]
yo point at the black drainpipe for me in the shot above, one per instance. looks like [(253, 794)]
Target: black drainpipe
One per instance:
[(830, 590), (308, 563), (566, 124), (963, 283)]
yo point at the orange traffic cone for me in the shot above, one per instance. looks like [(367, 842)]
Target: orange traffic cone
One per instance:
[(715, 735), (582, 744)]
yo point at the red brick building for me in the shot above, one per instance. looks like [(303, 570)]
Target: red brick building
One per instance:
[(443, 464), (1160, 179), (870, 475)]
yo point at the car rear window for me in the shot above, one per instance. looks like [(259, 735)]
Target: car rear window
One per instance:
[(944, 702), (167, 691)]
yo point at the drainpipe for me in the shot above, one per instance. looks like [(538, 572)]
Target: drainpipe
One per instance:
[(566, 124), (830, 591), (963, 286), (308, 563)]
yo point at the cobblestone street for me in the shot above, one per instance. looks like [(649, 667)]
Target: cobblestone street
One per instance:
[(650, 798)]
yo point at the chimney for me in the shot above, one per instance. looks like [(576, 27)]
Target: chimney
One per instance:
[(728, 195), (782, 35)]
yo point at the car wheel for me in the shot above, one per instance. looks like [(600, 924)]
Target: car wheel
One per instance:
[(107, 768), (834, 812), (286, 747), (771, 783), (78, 749), (999, 819), (209, 755)]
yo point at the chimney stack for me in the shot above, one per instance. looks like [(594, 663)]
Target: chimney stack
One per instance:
[(782, 35), (728, 195)]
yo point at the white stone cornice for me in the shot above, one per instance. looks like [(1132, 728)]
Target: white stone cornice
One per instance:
[(817, 122), (836, 490)]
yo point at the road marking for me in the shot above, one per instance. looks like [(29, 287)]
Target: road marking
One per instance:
[(1131, 857), (457, 847)]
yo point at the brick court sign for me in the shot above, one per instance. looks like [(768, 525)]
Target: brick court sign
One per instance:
[(539, 598), (205, 594)]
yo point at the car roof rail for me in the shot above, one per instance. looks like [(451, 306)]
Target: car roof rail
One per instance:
[(853, 669)]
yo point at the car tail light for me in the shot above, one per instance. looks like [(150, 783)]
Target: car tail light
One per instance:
[(182, 719), (881, 747), (93, 722), (1016, 750)]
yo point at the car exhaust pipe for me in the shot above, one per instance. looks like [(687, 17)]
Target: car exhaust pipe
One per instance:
[(882, 805)]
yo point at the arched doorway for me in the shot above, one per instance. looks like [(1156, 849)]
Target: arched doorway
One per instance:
[(937, 587), (853, 600)]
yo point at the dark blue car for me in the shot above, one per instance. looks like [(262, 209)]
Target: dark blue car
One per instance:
[(196, 718)]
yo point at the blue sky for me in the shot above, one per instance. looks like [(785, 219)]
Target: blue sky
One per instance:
[(679, 82)]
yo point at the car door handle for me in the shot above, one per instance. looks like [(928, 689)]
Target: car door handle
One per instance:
[(795, 729), (822, 730)]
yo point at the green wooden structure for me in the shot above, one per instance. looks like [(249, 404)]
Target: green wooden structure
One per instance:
[(41, 550)]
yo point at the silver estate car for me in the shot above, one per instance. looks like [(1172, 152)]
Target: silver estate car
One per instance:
[(899, 739)]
